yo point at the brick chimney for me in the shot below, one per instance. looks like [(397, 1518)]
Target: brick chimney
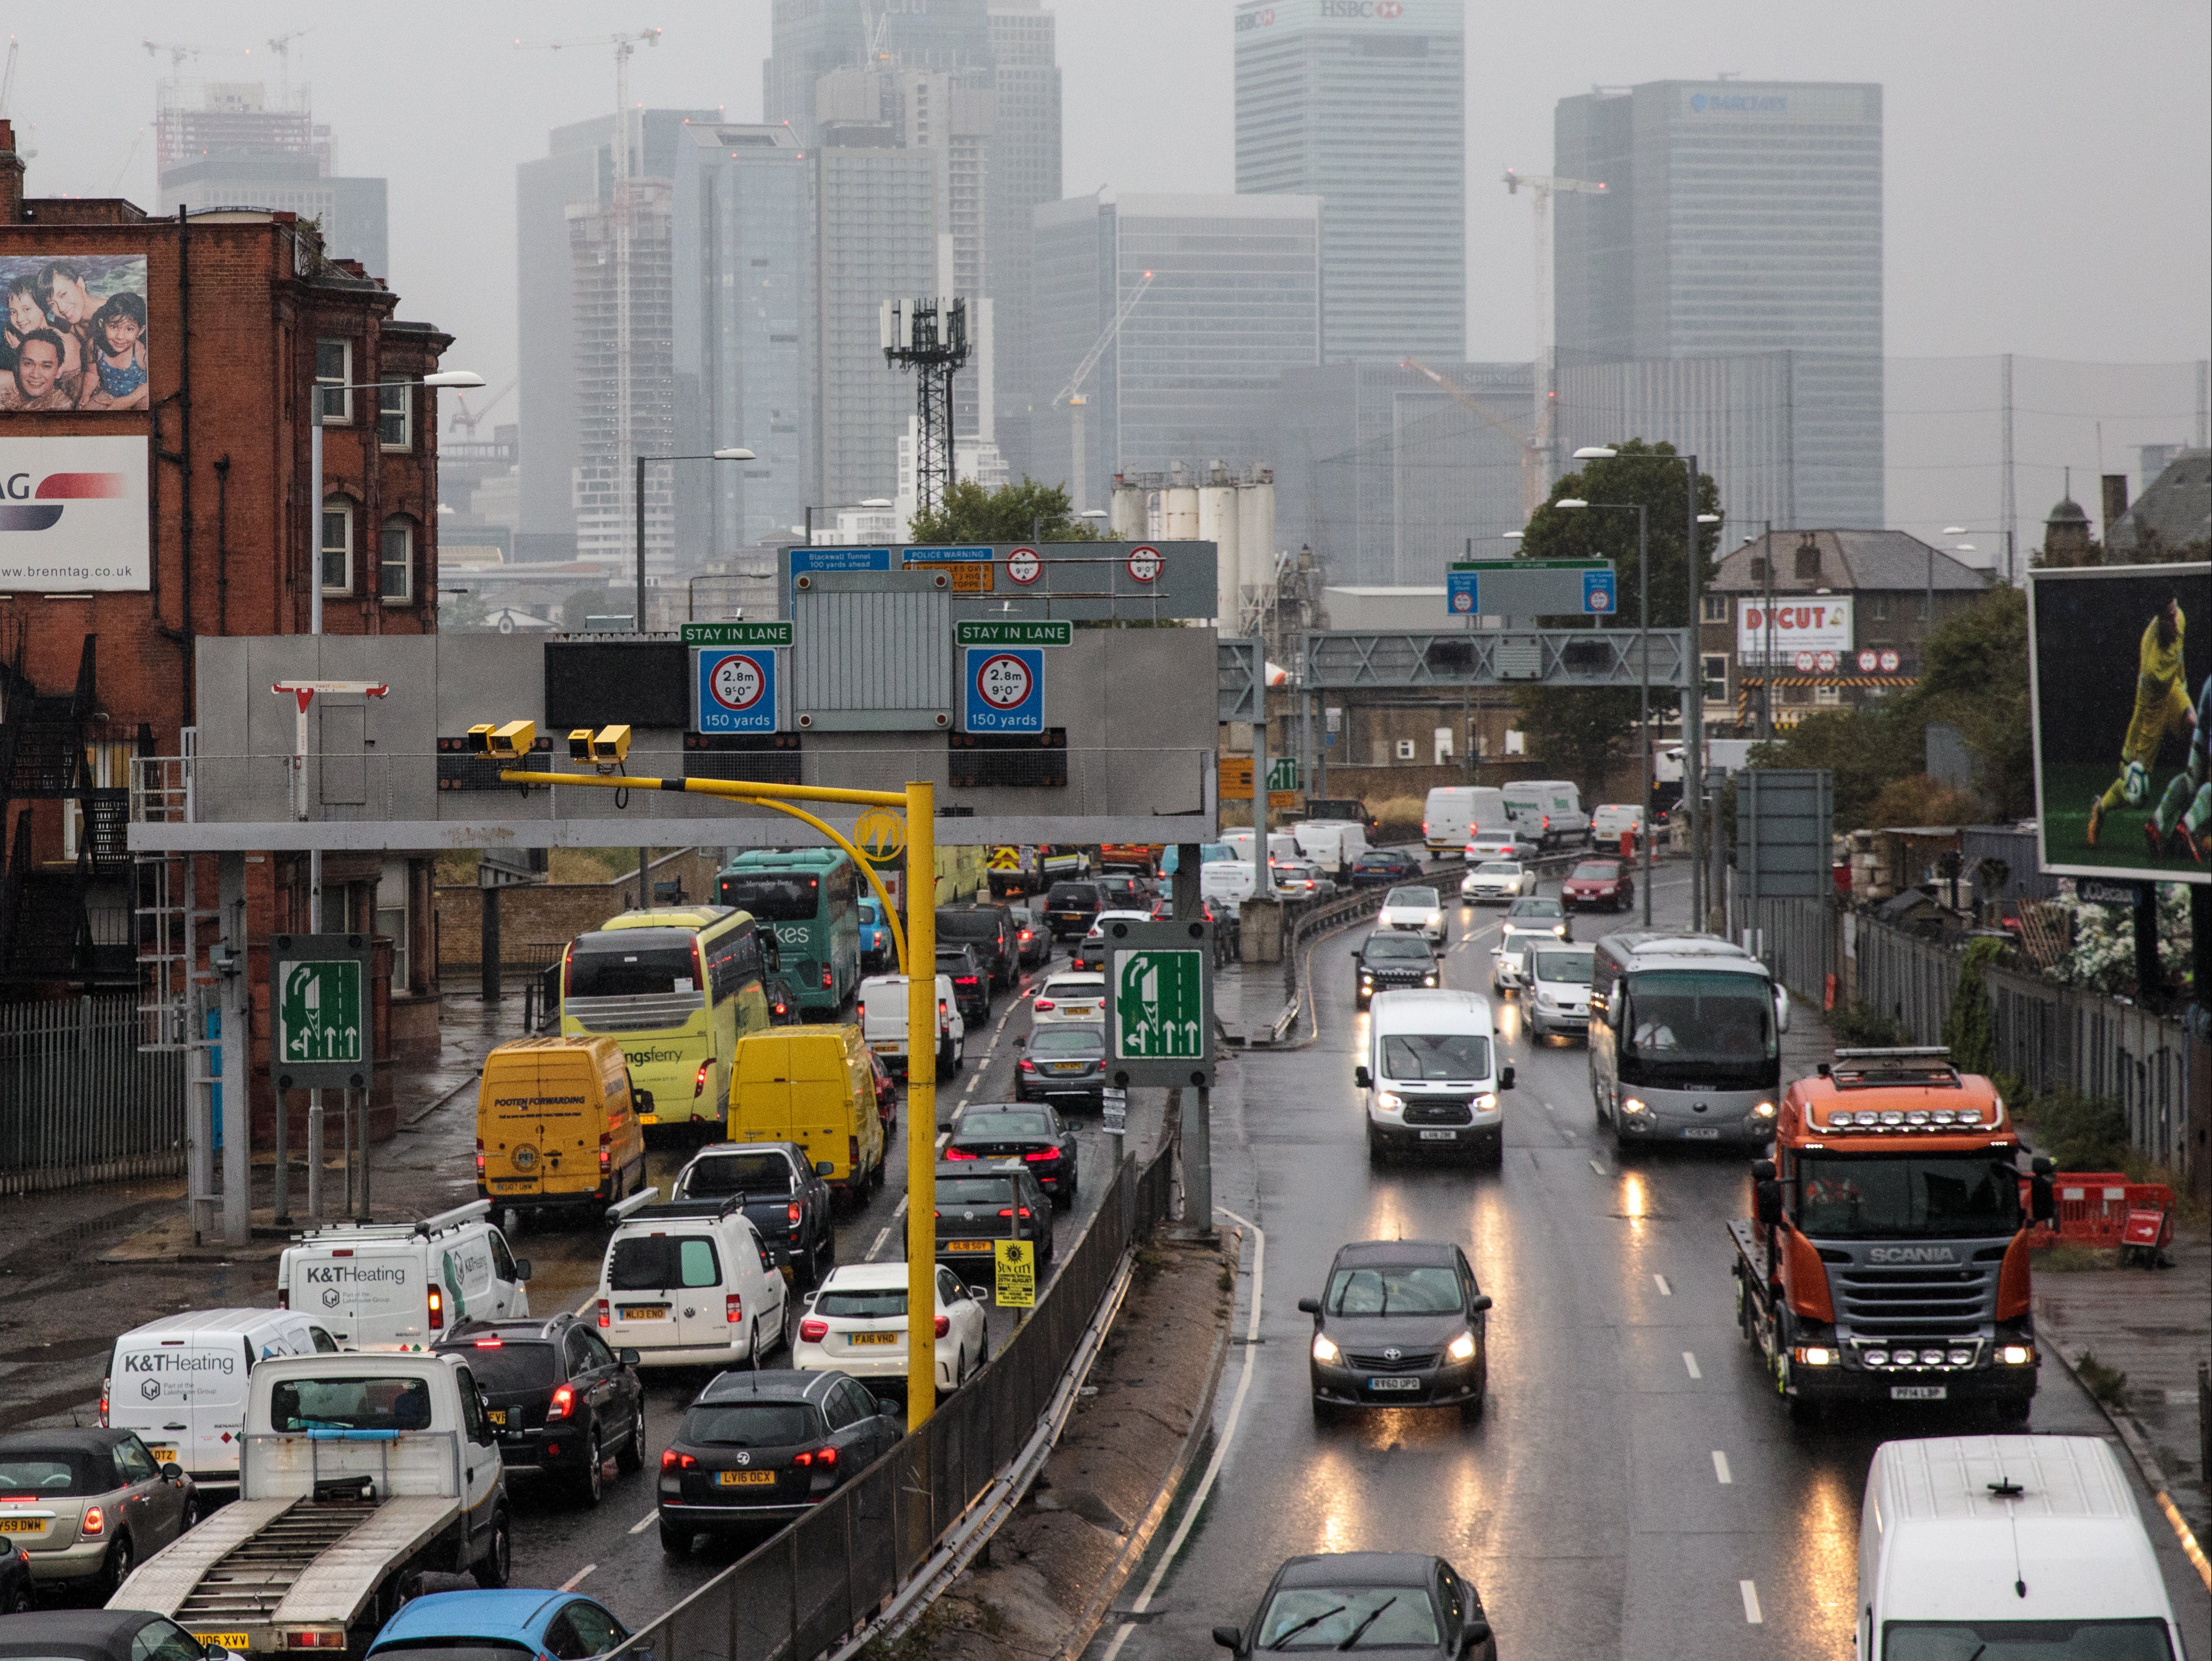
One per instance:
[(2115, 503), (11, 176)]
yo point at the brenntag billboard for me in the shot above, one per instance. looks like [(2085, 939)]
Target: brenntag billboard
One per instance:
[(2120, 664), (72, 513), (1820, 624)]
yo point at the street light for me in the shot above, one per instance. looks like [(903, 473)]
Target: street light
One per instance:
[(2011, 575), (1643, 671), (639, 503)]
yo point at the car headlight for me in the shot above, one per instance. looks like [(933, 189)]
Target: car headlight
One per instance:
[(1436, 918), (1461, 1348), (1558, 928), (2016, 1355), (1485, 1103), (1325, 1350), (1428, 980), (1763, 1111), (1388, 1100), (1367, 975), (1631, 1105)]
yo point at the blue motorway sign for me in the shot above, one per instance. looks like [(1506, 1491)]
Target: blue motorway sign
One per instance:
[(735, 690), (946, 556), (1004, 689), (1461, 593), (1599, 597)]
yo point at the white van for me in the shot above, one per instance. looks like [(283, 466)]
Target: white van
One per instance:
[(689, 1284), (1332, 844), (1225, 884), (1549, 812), (1966, 1541), (1281, 844), (386, 1285), (1431, 1076), (1454, 812), (882, 1005), (180, 1382)]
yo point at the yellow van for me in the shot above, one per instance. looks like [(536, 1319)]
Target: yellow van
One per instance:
[(557, 1125), (812, 1085)]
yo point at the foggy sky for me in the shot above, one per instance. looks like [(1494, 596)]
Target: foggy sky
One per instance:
[(2048, 167)]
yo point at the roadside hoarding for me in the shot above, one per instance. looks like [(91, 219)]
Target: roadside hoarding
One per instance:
[(73, 337), (1800, 624), (72, 511), (2120, 668)]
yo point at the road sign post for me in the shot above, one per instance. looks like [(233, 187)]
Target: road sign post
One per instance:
[(1159, 1003), (319, 1034)]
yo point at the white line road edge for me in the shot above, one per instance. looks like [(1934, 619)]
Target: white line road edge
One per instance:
[(1691, 1362), (577, 1578), (1721, 1470), (1221, 1447), (1751, 1615), (1597, 1168)]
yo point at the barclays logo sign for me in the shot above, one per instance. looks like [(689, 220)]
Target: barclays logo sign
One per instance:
[(1738, 103)]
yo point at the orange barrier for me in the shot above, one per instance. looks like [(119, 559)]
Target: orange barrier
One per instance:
[(2093, 1206)]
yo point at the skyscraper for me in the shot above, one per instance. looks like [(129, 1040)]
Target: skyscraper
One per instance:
[(810, 38), (224, 145), (1362, 103), (1739, 217), (1025, 171)]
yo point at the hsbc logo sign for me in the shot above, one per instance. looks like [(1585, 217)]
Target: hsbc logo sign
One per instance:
[(1385, 9)]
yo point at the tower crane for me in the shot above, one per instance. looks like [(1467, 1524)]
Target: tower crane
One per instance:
[(1532, 482), (625, 45), (281, 45), (1543, 366), (177, 53), (465, 419), (8, 79), (1072, 393)]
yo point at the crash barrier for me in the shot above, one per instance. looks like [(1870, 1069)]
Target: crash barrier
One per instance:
[(812, 1584), (80, 1101), (2103, 1208)]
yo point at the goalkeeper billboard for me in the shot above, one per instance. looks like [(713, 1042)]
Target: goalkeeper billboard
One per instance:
[(2120, 664)]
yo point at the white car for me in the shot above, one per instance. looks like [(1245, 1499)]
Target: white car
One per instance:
[(1070, 998), (855, 1323), (1501, 844), (1509, 964), (1091, 951), (1416, 910), (1496, 881)]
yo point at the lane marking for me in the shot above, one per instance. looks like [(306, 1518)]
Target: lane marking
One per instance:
[(1598, 1168), (1548, 1108), (1751, 1615), (584, 1308), (943, 1137), (899, 1210), (1227, 1439), (577, 1578), (1665, 1291), (645, 1522), (882, 1235), (1721, 1470), (1691, 1362)]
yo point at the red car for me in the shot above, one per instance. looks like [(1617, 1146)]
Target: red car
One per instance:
[(1598, 885)]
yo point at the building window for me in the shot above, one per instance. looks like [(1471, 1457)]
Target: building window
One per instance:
[(395, 566), (337, 545), (395, 416), (333, 379), (1716, 608), (1877, 606), (1828, 698), (1716, 665)]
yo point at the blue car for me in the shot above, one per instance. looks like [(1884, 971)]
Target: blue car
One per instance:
[(876, 952), (483, 1626)]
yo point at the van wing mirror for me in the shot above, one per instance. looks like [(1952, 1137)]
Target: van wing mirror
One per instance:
[(642, 1099), (771, 951), (1781, 1008), (2042, 1198), (824, 1168), (1506, 1078), (1479, 1303), (522, 1270), (1362, 1079), (1767, 1197)]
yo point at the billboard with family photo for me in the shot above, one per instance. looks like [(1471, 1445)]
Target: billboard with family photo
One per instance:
[(2120, 664), (73, 335)]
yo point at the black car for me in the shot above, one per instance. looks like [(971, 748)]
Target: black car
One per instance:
[(1124, 892), (1069, 908), (560, 1401), (992, 932), (782, 1000), (785, 1198), (1393, 959), (1380, 866), (1016, 1130), (1400, 1324), (971, 982), (15, 1580), (100, 1635), (1062, 1062), (1035, 938), (979, 1205), (766, 1447), (1414, 1607)]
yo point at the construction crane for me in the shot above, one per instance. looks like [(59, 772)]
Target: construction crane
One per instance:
[(1071, 394), (1532, 482), (281, 45), (1543, 365), (465, 419), (625, 45), (177, 53), (8, 79)]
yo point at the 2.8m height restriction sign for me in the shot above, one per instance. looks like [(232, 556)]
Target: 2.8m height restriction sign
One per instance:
[(1005, 689), (734, 691)]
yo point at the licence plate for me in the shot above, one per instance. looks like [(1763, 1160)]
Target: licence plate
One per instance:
[(225, 1640), (1702, 1133), (967, 1245), (1074, 1009), (642, 1312), (1069, 1067), (162, 1456), (746, 1479), (23, 1526), (512, 1182), (859, 1338), (884, 1048), (1440, 1136), (1919, 1392), (649, 1118), (1393, 1383), (497, 1415)]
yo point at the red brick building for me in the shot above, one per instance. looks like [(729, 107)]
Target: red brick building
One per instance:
[(240, 317)]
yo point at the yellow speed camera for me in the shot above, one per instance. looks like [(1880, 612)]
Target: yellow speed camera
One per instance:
[(512, 741), (610, 746), (580, 744)]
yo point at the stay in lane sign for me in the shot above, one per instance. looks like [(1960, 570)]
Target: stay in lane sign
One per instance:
[(1004, 689), (734, 690)]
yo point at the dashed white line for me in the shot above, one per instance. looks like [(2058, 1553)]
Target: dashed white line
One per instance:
[(882, 1235), (1721, 1470), (1751, 1615), (645, 1522), (1548, 1108), (1597, 1168), (585, 1308), (577, 1578), (943, 1137), (899, 1210), (1691, 1362), (1665, 1291)]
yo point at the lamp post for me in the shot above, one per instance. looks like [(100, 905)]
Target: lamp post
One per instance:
[(638, 502), (2012, 577)]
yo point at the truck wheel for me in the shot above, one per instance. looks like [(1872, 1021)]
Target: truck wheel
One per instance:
[(491, 1570), (1376, 1151), (675, 1539)]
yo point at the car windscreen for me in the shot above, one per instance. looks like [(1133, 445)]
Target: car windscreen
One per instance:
[(502, 1365), (1073, 893), (1421, 899), (1594, 873), (967, 925), (989, 1126), (861, 1302), (394, 1402), (2141, 1639), (1397, 946), (1463, 1055), (737, 1173), (1902, 1196), (1393, 1289), (967, 1192), (1577, 967), (783, 898), (1066, 1041), (611, 972), (54, 1473), (749, 1425), (1688, 1020), (1348, 1618), (656, 1262), (1535, 907), (1497, 868)]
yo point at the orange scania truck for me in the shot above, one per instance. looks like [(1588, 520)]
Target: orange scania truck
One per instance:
[(1887, 1260)]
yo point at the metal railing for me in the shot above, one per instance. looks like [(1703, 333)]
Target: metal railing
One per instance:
[(80, 1101), (813, 1584)]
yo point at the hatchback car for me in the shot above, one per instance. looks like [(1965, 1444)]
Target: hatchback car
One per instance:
[(855, 1323), (878, 953), (971, 982), (561, 1403), (1063, 1063), (766, 1447), (1035, 1134), (1503, 844), (1124, 891), (980, 1205), (1421, 909), (1069, 908), (1416, 1608), (1379, 866), (475, 1625), (1074, 998), (1389, 959), (1509, 962), (1089, 952), (1537, 914), (1598, 885), (1400, 1323), (991, 931), (100, 1635), (784, 1198), (886, 1094), (1301, 879), (89, 1505)]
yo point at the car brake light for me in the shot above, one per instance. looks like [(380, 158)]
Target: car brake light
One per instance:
[(324, 1640), (1040, 1155), (491, 1343), (672, 1460), (1043, 1003), (733, 1309), (852, 1154), (957, 1154), (606, 1314), (944, 1324), (699, 1084), (792, 1211), (813, 1331), (437, 1307), (104, 1383), (606, 1151), (1026, 1065), (564, 1397), (826, 982), (480, 1159), (96, 1521), (819, 1456)]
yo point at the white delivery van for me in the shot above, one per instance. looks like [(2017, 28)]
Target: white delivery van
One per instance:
[(882, 1004), (1225, 884), (1431, 1076), (1332, 844), (180, 1382), (1281, 844), (689, 1284), (2003, 1545), (386, 1286), (1454, 812), (1549, 812)]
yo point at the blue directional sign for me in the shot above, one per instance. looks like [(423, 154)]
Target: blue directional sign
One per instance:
[(735, 690), (1005, 689), (1599, 598), (1530, 588), (1459, 592)]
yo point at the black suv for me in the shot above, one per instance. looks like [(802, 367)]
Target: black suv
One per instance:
[(767, 1447), (991, 929), (1070, 908), (1393, 959), (784, 1195), (971, 982), (561, 1402)]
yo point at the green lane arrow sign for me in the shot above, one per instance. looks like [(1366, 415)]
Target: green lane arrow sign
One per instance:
[(1283, 773), (319, 1017), (1012, 632), (1159, 1001), (736, 634)]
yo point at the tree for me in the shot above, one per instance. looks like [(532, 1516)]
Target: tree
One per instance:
[(1968, 1030), (1027, 512)]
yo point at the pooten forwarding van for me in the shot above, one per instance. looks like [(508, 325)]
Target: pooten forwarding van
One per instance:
[(557, 1125)]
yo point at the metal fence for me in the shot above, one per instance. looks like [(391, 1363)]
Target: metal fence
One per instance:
[(79, 1101), (813, 1584)]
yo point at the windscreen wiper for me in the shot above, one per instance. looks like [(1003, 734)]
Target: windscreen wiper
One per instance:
[(1374, 1615), (1313, 1621)]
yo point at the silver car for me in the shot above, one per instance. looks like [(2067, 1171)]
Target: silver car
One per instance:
[(1062, 1062), (89, 1505)]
